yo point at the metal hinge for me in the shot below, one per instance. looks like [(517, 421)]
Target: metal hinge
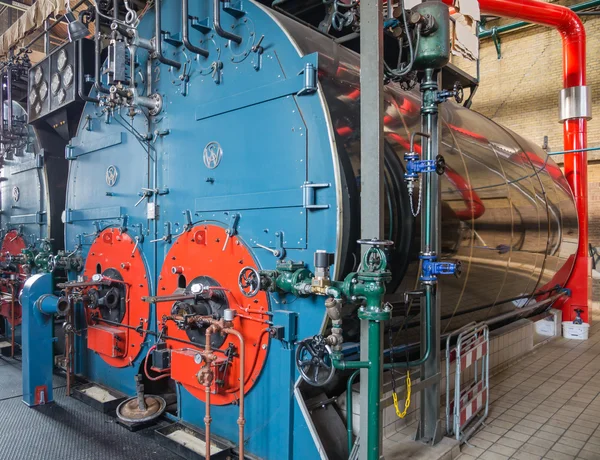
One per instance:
[(310, 79), (309, 195)]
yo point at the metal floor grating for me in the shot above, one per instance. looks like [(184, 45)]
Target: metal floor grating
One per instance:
[(66, 430)]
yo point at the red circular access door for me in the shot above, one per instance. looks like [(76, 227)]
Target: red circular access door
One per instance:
[(202, 252), (115, 250)]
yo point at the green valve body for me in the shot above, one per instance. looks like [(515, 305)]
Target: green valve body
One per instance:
[(434, 45)]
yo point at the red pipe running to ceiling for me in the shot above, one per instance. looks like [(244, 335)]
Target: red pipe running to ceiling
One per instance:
[(572, 32)]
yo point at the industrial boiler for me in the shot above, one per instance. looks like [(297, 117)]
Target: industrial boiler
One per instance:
[(214, 183), (32, 193)]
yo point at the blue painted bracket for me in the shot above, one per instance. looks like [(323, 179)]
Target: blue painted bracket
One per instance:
[(287, 87), (37, 345), (77, 147), (287, 320), (24, 219), (36, 163), (290, 198), (304, 196), (201, 25), (78, 215)]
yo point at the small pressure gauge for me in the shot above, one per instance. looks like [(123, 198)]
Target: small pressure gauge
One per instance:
[(198, 358)]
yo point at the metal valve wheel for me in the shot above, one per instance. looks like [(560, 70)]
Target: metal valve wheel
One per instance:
[(313, 360), (459, 93), (249, 281), (52, 263)]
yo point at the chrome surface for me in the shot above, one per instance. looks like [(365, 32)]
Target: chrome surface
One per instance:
[(507, 214), (575, 102)]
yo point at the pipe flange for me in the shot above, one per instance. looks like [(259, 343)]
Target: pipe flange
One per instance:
[(158, 100), (129, 410)]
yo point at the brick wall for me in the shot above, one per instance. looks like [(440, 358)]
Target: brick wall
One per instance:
[(520, 91)]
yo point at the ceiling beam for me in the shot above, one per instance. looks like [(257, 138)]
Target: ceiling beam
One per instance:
[(15, 4)]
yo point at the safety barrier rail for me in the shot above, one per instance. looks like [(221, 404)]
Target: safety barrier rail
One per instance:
[(469, 407)]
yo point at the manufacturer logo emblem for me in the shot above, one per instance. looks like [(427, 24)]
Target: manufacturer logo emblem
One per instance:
[(212, 155), (16, 194), (112, 175)]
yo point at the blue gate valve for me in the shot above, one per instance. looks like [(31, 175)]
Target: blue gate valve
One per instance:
[(431, 268)]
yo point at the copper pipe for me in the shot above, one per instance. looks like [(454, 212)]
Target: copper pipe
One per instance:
[(207, 421), (250, 318), (12, 316), (208, 358), (241, 420)]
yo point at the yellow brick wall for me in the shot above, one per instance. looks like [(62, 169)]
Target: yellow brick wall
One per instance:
[(520, 91)]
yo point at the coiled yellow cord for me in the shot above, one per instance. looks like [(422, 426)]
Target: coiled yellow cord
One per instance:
[(406, 401)]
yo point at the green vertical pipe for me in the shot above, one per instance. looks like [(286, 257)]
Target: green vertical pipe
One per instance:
[(349, 409), (374, 396)]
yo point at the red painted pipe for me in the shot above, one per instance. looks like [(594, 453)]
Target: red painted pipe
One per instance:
[(572, 32)]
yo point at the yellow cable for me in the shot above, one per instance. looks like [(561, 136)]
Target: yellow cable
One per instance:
[(406, 401)]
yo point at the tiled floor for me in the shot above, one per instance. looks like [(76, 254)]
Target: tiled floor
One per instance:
[(545, 406)]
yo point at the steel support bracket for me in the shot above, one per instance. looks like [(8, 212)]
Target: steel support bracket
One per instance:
[(234, 8), (172, 39), (201, 25)]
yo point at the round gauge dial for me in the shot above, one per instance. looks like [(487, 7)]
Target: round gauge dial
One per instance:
[(68, 76), (61, 61), (32, 97), (62, 95), (55, 83), (37, 76), (43, 91)]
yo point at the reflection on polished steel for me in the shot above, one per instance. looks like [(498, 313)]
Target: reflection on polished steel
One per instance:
[(507, 214)]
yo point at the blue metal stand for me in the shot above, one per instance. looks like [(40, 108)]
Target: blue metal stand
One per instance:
[(38, 305)]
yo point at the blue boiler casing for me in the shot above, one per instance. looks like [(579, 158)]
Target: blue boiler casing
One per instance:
[(263, 141)]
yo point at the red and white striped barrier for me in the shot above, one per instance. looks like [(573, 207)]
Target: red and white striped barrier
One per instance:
[(472, 407)]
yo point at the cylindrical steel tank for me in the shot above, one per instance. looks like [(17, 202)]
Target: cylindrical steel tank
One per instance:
[(508, 212), (249, 162)]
